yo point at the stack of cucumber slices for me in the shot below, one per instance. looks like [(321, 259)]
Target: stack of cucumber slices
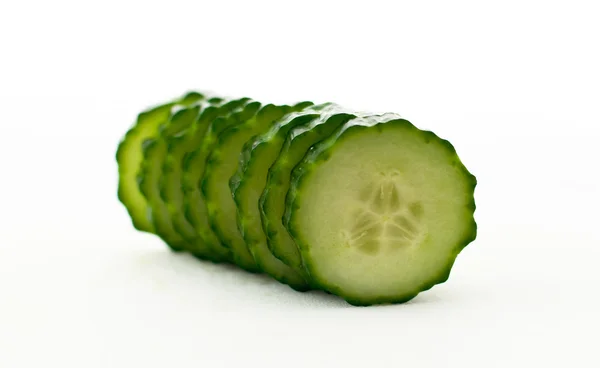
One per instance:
[(364, 206)]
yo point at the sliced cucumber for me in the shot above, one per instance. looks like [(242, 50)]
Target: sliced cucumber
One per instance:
[(221, 165), (171, 184), (129, 159), (195, 210), (380, 210), (272, 200), (250, 180), (155, 150), (247, 184), (366, 207)]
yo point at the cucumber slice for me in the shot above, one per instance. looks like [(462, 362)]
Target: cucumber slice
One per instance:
[(272, 200), (250, 180), (247, 184), (195, 210), (171, 183), (220, 167), (155, 151), (380, 210), (129, 159)]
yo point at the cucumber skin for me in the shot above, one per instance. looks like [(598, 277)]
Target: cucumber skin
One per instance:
[(146, 125), (322, 152), (246, 173), (128, 188), (211, 188), (195, 210), (171, 186), (155, 151), (278, 181)]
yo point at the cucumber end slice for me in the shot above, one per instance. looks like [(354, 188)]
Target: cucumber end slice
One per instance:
[(380, 211), (129, 158)]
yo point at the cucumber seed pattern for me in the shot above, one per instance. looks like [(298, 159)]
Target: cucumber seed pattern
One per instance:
[(384, 218)]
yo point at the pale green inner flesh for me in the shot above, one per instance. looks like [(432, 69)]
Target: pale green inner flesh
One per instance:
[(383, 216), (130, 159)]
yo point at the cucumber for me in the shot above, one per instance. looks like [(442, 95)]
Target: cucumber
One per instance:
[(155, 150), (220, 167), (194, 204), (366, 207), (171, 183), (272, 200), (129, 158), (380, 210)]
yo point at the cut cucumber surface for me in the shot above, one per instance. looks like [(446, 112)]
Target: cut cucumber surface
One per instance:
[(195, 209), (221, 165), (380, 210), (171, 184), (272, 200), (155, 151)]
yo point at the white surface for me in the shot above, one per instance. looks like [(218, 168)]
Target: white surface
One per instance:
[(515, 87)]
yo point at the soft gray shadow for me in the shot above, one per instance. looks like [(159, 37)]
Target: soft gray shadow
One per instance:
[(189, 272)]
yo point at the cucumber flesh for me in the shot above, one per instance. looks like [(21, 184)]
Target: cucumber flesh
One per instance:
[(155, 151), (380, 210), (220, 167), (272, 200), (194, 164), (178, 146)]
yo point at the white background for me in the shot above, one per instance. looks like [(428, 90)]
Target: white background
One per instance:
[(515, 85)]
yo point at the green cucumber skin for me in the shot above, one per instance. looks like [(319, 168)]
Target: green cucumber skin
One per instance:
[(129, 157), (214, 189), (322, 152), (194, 163), (272, 200), (128, 192), (171, 190), (247, 185), (155, 151)]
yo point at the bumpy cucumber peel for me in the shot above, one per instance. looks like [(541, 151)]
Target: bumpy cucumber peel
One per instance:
[(364, 206), (194, 204)]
